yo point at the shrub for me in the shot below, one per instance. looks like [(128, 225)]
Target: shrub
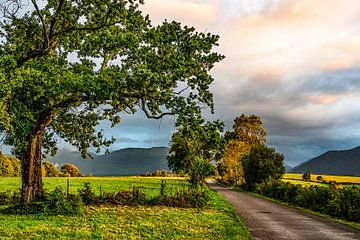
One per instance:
[(319, 178), (192, 197), (6, 198), (70, 169), (54, 203), (126, 197), (87, 195), (6, 167), (306, 176), (342, 203), (57, 203), (199, 170), (157, 173), (50, 169), (16, 164)]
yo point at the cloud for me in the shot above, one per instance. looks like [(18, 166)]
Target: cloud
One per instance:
[(293, 38), (296, 63), (125, 140), (190, 12)]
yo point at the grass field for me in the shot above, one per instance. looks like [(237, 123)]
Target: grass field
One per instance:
[(150, 185), (217, 221)]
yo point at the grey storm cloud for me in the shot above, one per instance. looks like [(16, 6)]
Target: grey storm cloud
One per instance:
[(304, 116), (125, 140)]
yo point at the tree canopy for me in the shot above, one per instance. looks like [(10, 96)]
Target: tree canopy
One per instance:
[(247, 132), (261, 164), (65, 65), (194, 138)]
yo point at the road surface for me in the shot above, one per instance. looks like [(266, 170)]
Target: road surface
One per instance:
[(268, 220)]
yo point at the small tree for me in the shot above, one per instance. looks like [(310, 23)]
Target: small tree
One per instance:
[(261, 164), (16, 164), (70, 170), (247, 129), (50, 169), (233, 170), (247, 132), (6, 168), (199, 170), (319, 178), (306, 176), (194, 138)]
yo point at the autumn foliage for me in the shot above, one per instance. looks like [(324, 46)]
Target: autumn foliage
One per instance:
[(247, 133)]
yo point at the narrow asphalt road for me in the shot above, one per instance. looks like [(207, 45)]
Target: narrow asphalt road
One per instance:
[(268, 220)]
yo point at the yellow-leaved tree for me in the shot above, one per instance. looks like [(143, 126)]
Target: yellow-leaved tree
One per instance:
[(247, 133)]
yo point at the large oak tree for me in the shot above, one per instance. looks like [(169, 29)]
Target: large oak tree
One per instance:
[(65, 65)]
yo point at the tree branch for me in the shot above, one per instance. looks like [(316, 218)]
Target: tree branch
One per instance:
[(149, 115), (44, 27), (181, 91), (53, 21)]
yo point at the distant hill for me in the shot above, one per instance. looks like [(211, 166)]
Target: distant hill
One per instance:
[(288, 168), (346, 162), (124, 162)]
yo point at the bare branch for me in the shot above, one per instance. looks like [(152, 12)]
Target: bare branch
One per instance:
[(149, 115), (44, 27), (181, 91), (10, 8)]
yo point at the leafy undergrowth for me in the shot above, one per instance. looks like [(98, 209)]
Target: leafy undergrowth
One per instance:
[(216, 221)]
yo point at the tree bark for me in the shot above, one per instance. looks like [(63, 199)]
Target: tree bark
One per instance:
[(32, 187)]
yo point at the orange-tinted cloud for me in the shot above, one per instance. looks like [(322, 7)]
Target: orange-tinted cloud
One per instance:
[(191, 12), (298, 36)]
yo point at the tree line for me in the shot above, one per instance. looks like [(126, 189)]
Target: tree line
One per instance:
[(238, 156), (10, 166)]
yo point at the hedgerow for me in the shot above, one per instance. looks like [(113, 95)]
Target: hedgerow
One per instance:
[(342, 203)]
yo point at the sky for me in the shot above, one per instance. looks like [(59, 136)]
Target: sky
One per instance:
[(295, 63)]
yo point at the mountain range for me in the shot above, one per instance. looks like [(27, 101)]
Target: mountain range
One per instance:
[(343, 162), (124, 162)]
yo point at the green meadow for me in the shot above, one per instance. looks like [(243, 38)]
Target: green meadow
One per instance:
[(216, 221)]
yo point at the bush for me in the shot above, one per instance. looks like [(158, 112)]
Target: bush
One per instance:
[(306, 176), (157, 173), (6, 167), (57, 203), (193, 197), (199, 170), (87, 195), (6, 198), (54, 203), (341, 203), (50, 169), (70, 170), (16, 164), (126, 197)]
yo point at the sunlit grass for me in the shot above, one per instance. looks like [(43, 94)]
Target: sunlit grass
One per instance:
[(327, 178), (150, 185), (217, 221)]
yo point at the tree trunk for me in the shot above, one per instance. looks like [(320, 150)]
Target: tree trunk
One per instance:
[(32, 187)]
